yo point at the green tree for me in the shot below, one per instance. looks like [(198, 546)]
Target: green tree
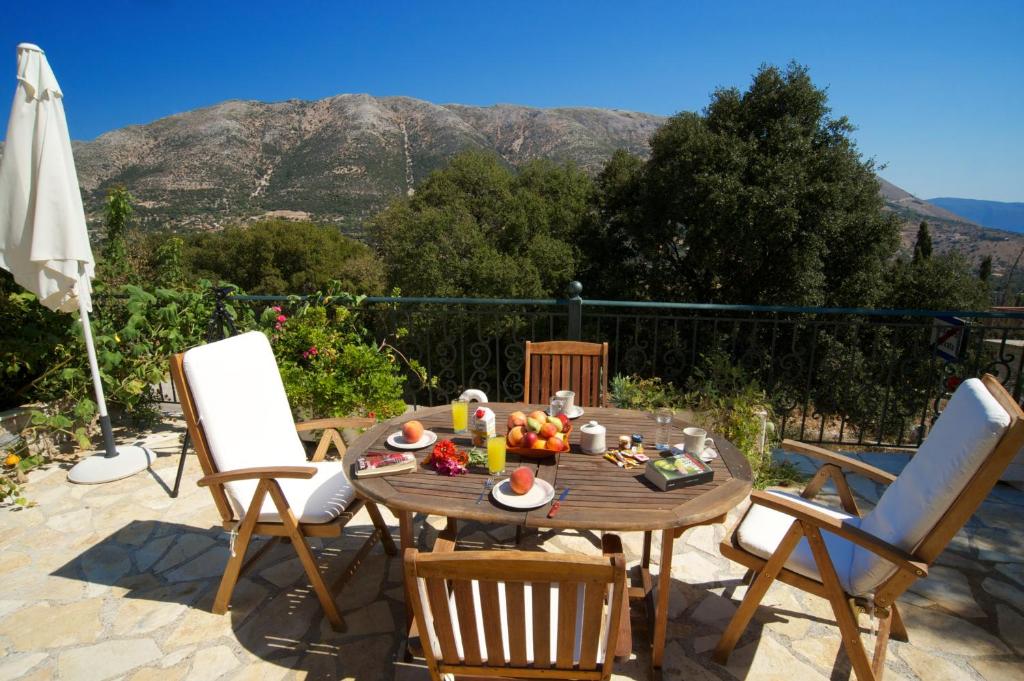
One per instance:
[(477, 228), (761, 198), (923, 244), (281, 257), (941, 282), (985, 268), (115, 268)]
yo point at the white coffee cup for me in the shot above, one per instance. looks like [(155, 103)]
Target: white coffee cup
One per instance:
[(568, 398), (695, 440)]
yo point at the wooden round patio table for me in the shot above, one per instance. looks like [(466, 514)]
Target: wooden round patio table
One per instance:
[(601, 497)]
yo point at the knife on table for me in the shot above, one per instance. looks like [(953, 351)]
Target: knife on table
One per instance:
[(555, 506)]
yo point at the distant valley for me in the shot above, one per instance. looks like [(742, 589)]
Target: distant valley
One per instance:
[(342, 159)]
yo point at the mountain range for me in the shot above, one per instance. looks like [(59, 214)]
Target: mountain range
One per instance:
[(995, 214), (343, 158)]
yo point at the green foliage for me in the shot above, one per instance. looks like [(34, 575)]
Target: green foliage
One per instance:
[(985, 268), (277, 257), (475, 228), (939, 282), (762, 198), (330, 366), (725, 401), (923, 243), (114, 268)]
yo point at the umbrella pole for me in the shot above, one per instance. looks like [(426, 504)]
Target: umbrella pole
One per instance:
[(94, 368), (116, 462)]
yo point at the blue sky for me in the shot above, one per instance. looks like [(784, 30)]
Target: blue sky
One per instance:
[(935, 88)]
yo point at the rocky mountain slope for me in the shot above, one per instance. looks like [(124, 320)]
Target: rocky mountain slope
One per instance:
[(338, 159)]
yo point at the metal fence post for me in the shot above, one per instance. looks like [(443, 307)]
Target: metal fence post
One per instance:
[(575, 305)]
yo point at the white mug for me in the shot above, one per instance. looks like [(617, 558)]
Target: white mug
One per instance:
[(695, 440), (569, 397)]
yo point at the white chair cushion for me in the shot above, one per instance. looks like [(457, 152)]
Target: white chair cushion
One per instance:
[(960, 441), (504, 655), (763, 528), (244, 412), (319, 499)]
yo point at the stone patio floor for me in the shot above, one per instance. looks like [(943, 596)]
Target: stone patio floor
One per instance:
[(116, 581)]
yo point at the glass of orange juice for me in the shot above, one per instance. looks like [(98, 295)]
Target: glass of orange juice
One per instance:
[(460, 416), (496, 456)]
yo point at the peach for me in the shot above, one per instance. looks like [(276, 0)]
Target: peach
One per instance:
[(539, 444), (548, 430), (521, 480), (516, 418), (539, 416), (555, 445), (515, 436), (412, 431)]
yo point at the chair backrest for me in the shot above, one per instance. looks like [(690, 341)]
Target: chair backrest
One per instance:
[(976, 436), (237, 412), (566, 365), (491, 613)]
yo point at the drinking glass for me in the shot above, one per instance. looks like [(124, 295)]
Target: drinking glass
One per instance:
[(557, 406), (460, 416), (663, 417), (496, 456)]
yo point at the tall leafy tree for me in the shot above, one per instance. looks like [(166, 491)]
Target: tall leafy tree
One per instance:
[(923, 243), (280, 257), (761, 198), (115, 267), (477, 228), (985, 268)]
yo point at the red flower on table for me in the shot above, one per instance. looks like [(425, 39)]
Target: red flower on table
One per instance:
[(447, 459)]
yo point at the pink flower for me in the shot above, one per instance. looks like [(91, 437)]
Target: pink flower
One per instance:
[(281, 318), (277, 326), (276, 308), (312, 350)]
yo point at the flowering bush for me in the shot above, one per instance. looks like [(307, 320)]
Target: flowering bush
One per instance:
[(330, 366)]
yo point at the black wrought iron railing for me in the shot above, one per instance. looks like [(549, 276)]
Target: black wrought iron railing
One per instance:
[(849, 376)]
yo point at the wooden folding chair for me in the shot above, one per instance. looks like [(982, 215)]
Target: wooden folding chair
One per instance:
[(517, 614), (239, 420), (865, 563), (566, 365)]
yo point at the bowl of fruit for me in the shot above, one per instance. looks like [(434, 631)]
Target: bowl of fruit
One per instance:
[(537, 435)]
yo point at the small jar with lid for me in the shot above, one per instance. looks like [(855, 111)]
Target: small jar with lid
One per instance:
[(637, 443), (624, 443)]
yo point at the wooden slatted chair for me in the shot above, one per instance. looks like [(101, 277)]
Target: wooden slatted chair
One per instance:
[(566, 365), (518, 614), (865, 563), (239, 420)]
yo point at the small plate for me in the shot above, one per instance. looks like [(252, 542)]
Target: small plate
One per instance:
[(541, 493), (398, 441), (707, 455), (576, 412)]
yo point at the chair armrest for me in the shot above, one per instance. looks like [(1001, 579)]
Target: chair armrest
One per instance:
[(844, 462), (259, 473), (346, 422), (894, 554)]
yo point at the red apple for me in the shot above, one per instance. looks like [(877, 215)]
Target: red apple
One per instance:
[(529, 439), (521, 480), (412, 431), (548, 430), (565, 421)]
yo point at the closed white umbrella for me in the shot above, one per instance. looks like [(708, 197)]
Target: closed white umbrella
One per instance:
[(43, 239)]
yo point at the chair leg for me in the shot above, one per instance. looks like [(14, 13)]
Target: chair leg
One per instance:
[(382, 529), (611, 544), (181, 466), (236, 560), (755, 592), (291, 525), (881, 645), (899, 629), (849, 628)]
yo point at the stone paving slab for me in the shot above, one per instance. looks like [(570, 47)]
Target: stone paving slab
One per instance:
[(116, 581)]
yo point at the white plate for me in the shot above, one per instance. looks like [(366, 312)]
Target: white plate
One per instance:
[(707, 455), (541, 493), (398, 441), (574, 414)]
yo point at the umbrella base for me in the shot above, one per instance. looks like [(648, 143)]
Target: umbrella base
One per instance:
[(99, 468)]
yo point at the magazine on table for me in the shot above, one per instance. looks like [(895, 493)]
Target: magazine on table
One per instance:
[(678, 469), (384, 463)]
